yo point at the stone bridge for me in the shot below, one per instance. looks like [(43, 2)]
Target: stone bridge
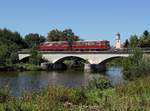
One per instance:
[(94, 58), (91, 57)]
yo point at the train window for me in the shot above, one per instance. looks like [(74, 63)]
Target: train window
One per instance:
[(50, 44), (86, 43), (54, 44), (81, 43), (73, 44), (60, 44), (97, 43), (93, 43), (102, 43)]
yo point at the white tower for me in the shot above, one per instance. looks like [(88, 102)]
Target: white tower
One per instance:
[(118, 41)]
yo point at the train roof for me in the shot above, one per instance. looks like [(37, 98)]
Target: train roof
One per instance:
[(76, 41)]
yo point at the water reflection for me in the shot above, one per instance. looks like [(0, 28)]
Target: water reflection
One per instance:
[(115, 74), (19, 82)]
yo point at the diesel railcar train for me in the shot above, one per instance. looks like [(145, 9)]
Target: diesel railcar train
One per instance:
[(86, 45)]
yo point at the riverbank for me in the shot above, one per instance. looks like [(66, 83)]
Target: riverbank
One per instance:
[(22, 67), (128, 97)]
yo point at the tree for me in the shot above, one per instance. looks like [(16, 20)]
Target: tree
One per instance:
[(34, 39), (134, 42), (10, 43), (14, 58), (145, 40), (69, 34), (35, 58), (136, 65), (3, 54), (56, 35), (146, 33), (126, 44), (8, 37)]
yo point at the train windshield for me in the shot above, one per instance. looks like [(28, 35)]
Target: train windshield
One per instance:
[(107, 43)]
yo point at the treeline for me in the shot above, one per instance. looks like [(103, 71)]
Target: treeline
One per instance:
[(142, 41), (11, 42)]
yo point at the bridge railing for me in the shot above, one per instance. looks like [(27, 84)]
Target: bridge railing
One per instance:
[(112, 50)]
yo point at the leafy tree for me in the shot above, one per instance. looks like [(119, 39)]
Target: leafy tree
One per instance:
[(136, 65), (134, 42), (10, 43), (146, 33), (3, 54), (34, 39), (126, 44), (145, 40), (56, 35), (35, 58), (14, 58), (8, 37)]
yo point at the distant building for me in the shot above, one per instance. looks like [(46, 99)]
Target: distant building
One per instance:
[(118, 41)]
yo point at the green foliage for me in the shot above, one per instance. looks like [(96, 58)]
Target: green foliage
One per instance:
[(8, 37), (74, 63), (28, 67), (10, 43), (14, 58), (126, 44), (101, 82), (134, 41), (4, 94), (145, 39), (58, 35), (136, 65), (139, 41), (116, 62), (34, 39), (35, 57), (146, 33), (3, 54)]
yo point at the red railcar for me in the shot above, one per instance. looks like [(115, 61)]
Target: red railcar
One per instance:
[(75, 45)]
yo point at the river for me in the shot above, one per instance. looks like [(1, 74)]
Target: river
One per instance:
[(19, 82)]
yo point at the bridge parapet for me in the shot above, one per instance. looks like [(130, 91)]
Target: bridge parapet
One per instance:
[(92, 57)]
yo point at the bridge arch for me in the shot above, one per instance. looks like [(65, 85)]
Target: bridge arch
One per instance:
[(60, 60), (27, 57), (106, 60), (101, 65)]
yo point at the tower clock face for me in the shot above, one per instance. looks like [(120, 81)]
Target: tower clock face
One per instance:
[(118, 36)]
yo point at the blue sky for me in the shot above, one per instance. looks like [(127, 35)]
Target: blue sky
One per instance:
[(90, 19)]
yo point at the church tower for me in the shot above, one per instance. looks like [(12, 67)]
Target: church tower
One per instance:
[(118, 41)]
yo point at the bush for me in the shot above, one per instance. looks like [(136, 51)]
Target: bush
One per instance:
[(101, 82), (28, 67), (4, 94), (136, 65)]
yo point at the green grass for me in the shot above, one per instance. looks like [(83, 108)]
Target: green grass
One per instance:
[(134, 96)]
